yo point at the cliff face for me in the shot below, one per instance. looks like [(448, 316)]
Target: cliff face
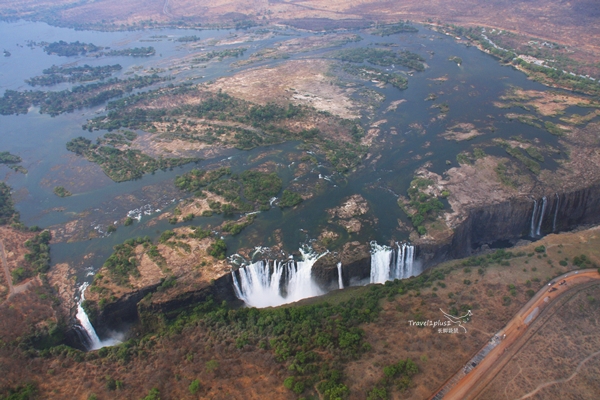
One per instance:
[(356, 266), (496, 224), (518, 218), (501, 223)]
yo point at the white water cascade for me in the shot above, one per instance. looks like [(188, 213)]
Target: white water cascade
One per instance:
[(269, 284), (541, 218), (388, 263), (532, 231), (94, 341), (555, 213), (340, 280)]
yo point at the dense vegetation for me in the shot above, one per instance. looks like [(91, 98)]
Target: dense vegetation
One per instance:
[(260, 187), (382, 57), (122, 165), (7, 207), (37, 261), (400, 27), (64, 49), (12, 161), (397, 375), (134, 52), (220, 55), (289, 199), (423, 207), (122, 262), (248, 125), (55, 75), (69, 100), (250, 186), (60, 191)]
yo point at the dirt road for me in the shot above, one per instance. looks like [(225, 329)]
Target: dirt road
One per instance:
[(473, 382)]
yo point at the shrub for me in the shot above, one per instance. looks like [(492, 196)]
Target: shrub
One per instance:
[(194, 386)]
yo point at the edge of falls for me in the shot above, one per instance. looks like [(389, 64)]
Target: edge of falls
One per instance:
[(92, 341), (268, 283), (389, 263)]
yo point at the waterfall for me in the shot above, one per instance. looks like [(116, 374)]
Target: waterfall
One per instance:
[(388, 264), (269, 284), (93, 341), (381, 257), (340, 280), (555, 212), (542, 212), (532, 231)]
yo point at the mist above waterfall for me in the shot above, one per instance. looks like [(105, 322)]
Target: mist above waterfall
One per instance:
[(268, 283)]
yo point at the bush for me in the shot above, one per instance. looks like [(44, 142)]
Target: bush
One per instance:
[(218, 249), (194, 386), (153, 394), (540, 249), (288, 383)]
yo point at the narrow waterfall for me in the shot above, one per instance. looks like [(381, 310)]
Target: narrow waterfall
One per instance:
[(269, 284), (92, 339), (388, 263), (340, 280), (532, 231), (541, 218), (555, 212)]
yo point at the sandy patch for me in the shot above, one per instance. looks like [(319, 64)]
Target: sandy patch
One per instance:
[(462, 131), (300, 82)]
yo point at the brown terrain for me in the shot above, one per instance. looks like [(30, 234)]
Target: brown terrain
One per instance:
[(572, 23), (172, 362)]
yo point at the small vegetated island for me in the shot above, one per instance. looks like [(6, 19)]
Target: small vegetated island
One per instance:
[(64, 49), (118, 161), (12, 161), (69, 100), (59, 74)]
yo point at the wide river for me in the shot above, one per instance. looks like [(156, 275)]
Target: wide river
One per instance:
[(409, 138)]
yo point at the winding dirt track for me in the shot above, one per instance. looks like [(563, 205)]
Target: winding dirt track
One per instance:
[(472, 383)]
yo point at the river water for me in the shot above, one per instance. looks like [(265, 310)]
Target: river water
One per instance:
[(469, 89)]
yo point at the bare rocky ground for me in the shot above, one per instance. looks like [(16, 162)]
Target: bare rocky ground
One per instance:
[(303, 82), (185, 258)]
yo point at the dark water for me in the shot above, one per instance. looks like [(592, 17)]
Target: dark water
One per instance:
[(469, 90)]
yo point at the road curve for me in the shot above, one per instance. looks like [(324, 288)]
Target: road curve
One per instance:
[(515, 329)]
